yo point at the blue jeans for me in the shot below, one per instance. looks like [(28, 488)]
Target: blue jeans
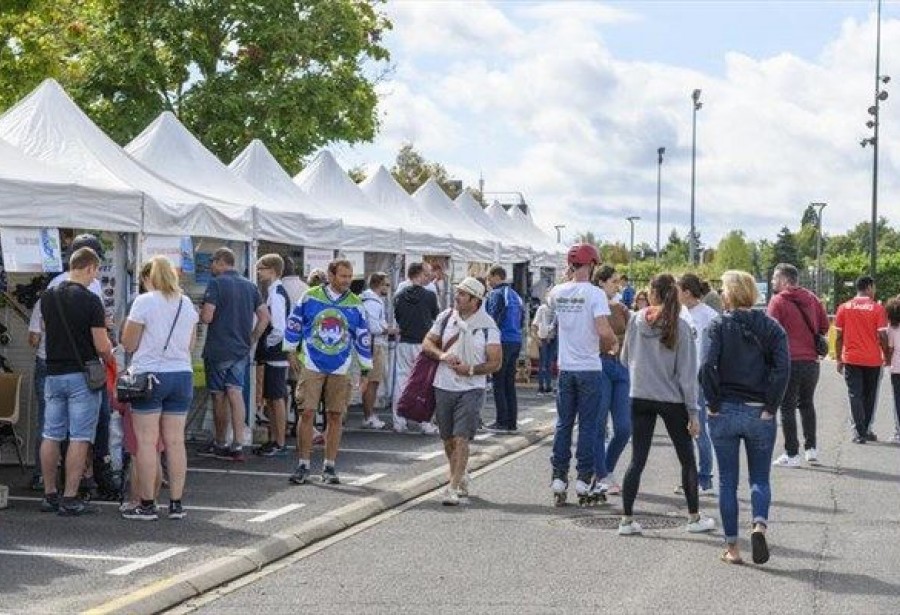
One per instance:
[(577, 397), (171, 395), (505, 388), (40, 377), (735, 422), (704, 447), (614, 400), (547, 351)]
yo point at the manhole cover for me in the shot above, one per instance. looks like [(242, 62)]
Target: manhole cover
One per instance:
[(611, 522)]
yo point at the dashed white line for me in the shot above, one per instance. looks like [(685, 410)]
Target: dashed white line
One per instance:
[(526, 421), (134, 563), (484, 436), (143, 562), (272, 514), (246, 511), (365, 480), (431, 455)]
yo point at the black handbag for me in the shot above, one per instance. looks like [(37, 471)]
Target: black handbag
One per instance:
[(94, 370), (819, 341), (139, 387)]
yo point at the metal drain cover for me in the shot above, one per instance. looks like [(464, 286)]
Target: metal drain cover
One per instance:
[(611, 522)]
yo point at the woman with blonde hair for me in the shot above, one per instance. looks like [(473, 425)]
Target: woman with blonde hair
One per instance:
[(744, 375), (160, 331)]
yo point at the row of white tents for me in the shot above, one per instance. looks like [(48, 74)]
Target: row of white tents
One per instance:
[(57, 168)]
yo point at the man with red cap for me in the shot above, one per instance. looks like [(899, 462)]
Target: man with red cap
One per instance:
[(581, 310)]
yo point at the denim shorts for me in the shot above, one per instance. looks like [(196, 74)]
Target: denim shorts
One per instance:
[(222, 375), (72, 409), (172, 394)]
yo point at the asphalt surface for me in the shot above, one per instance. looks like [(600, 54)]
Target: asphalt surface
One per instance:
[(834, 538), (51, 564)]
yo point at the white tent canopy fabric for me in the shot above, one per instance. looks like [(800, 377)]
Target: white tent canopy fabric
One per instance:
[(287, 205), (49, 126), (541, 243), (364, 226), (35, 194), (422, 232), (471, 242), (514, 249)]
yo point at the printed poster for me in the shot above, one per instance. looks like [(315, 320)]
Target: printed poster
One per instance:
[(314, 258), (31, 250)]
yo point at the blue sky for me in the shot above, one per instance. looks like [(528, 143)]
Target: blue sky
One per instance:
[(567, 102)]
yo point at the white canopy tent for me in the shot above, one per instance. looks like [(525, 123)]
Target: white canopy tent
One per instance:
[(544, 247), (35, 194), (471, 242), (365, 225), (287, 205), (513, 249), (422, 232), (49, 126)]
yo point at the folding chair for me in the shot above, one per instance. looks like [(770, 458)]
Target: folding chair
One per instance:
[(10, 396)]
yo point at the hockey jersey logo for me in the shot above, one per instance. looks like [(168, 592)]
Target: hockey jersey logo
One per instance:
[(330, 332)]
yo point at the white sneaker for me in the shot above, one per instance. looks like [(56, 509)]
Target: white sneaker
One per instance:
[(451, 497), (373, 422), (895, 438), (401, 427), (786, 461), (463, 490), (703, 524), (812, 456), (429, 429), (630, 529), (707, 491)]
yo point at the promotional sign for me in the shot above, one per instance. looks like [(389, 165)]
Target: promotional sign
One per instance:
[(31, 250), (313, 258), (179, 250)]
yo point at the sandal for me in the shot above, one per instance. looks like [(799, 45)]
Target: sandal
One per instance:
[(760, 547), (730, 559)]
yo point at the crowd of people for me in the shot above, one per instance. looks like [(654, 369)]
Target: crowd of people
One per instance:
[(712, 368)]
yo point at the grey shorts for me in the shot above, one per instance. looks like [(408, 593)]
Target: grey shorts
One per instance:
[(457, 413)]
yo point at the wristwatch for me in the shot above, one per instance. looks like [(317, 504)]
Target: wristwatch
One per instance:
[(471, 370)]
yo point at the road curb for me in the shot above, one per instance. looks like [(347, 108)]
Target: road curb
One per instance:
[(167, 593)]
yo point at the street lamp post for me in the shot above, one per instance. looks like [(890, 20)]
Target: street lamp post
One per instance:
[(659, 153), (820, 206), (558, 228), (874, 124), (696, 105), (631, 221)]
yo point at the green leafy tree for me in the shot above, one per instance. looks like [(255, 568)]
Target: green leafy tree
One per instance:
[(784, 250), (296, 74), (411, 169), (734, 252), (676, 250)]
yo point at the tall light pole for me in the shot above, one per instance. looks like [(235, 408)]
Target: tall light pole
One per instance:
[(558, 228), (631, 221), (874, 124), (820, 206), (696, 106), (659, 153)]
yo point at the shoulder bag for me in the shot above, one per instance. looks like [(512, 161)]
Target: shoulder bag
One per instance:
[(93, 369), (416, 401), (819, 341), (139, 387)]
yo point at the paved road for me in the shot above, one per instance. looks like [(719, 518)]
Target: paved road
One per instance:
[(835, 539), (50, 564)]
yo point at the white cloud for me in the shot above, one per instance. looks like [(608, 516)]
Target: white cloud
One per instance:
[(530, 95)]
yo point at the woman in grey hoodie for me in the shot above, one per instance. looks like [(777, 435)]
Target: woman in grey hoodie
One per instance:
[(661, 356)]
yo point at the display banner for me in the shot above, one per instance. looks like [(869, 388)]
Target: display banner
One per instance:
[(179, 250), (31, 250), (314, 258)]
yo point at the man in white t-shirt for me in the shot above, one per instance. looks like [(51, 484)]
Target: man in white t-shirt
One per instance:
[(580, 309), (468, 349)]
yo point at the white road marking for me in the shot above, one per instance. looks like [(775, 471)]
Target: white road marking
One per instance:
[(272, 514), (484, 436), (551, 411), (431, 455), (239, 472), (133, 563), (526, 421), (246, 511), (143, 562), (365, 480)]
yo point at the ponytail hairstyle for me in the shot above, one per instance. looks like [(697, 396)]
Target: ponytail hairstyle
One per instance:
[(892, 307), (664, 290)]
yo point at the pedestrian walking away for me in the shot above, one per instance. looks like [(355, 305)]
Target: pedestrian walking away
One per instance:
[(468, 349), (229, 305), (661, 356), (330, 323), (614, 398), (373, 303), (862, 350), (803, 318), (581, 312), (506, 308), (744, 375), (544, 329), (892, 307)]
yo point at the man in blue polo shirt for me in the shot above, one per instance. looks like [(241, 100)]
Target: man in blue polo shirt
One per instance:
[(229, 305), (506, 308)]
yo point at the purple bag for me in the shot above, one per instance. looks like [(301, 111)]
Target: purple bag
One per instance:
[(416, 401)]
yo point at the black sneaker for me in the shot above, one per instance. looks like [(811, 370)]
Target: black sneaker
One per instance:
[(176, 511), (231, 454), (75, 508), (37, 483), (858, 440), (265, 449), (300, 476), (141, 513), (871, 437), (50, 503), (210, 449), (275, 451), (329, 476)]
